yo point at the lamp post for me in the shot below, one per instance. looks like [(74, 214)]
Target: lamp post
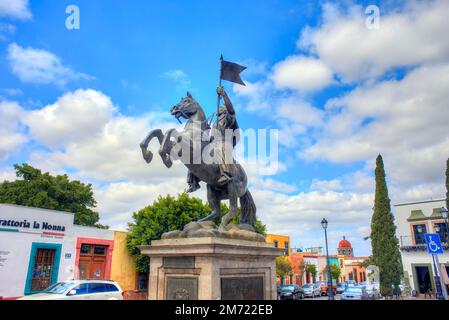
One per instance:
[(330, 289)]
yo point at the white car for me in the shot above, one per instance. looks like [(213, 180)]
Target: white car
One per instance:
[(373, 292), (80, 290), (312, 290)]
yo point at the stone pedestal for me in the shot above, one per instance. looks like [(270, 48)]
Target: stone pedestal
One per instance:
[(211, 269)]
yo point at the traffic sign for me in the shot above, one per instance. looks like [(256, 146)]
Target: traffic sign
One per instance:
[(433, 242)]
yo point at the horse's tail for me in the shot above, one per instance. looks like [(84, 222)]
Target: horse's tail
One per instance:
[(248, 208)]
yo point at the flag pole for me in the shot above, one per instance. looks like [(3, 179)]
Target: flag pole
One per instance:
[(219, 85)]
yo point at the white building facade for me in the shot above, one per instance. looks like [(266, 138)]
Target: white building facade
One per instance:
[(413, 221), (40, 247)]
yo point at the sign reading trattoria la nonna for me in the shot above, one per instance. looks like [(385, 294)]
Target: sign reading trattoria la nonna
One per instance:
[(43, 225)]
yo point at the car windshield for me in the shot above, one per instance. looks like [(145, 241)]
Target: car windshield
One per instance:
[(306, 286), (59, 288), (288, 288), (354, 289)]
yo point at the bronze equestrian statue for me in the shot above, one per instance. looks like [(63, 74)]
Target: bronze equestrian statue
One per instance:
[(225, 177)]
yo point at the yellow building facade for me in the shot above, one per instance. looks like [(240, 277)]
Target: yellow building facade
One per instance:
[(123, 269), (279, 241)]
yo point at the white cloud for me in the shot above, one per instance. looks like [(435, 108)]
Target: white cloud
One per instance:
[(117, 201), (415, 35), (403, 120), (12, 136), (179, 77), (6, 29), (302, 73), (75, 117), (8, 175), (40, 66), (15, 9)]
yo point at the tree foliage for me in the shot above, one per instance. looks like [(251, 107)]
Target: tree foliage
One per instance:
[(283, 266), (335, 271), (42, 190), (367, 262), (163, 215), (311, 268), (385, 246)]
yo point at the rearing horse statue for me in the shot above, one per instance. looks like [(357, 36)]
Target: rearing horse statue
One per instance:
[(172, 145)]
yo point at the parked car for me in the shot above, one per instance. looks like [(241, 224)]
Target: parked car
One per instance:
[(373, 292), (350, 283), (323, 286), (80, 290), (291, 292), (312, 290), (355, 293), (341, 288)]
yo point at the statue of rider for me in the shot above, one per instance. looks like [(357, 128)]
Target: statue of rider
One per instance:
[(226, 121)]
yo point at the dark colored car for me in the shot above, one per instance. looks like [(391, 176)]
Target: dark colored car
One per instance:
[(291, 292)]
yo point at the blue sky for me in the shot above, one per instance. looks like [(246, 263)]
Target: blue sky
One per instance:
[(340, 92)]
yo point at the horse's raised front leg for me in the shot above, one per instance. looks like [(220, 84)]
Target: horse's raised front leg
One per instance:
[(166, 146), (147, 154), (214, 203)]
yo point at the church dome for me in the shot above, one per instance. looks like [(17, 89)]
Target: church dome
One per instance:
[(344, 243)]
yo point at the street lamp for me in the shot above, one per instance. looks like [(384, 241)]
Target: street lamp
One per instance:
[(330, 289)]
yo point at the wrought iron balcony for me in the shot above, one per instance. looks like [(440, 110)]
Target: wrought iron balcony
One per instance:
[(407, 244)]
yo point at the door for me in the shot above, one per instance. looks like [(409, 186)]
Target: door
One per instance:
[(423, 278), (92, 263), (98, 266), (42, 269)]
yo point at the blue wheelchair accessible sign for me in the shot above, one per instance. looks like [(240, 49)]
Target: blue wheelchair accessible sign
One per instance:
[(433, 242)]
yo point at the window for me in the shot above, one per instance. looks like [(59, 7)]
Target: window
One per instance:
[(286, 248), (419, 231), (81, 289), (100, 250), (86, 249), (275, 243), (441, 229), (97, 287), (59, 287), (110, 287), (142, 281)]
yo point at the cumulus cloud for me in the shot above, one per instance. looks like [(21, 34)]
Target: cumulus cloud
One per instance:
[(11, 133), (302, 73), (15, 9), (401, 119), (75, 116), (39, 66), (408, 37)]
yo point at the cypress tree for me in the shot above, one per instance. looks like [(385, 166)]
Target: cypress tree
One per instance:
[(384, 243), (447, 184)]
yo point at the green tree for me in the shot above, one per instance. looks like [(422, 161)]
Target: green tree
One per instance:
[(283, 267), (447, 184), (163, 215), (366, 263), (384, 243), (42, 190), (335, 272), (311, 268)]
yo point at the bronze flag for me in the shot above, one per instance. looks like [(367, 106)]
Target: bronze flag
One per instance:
[(230, 71)]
